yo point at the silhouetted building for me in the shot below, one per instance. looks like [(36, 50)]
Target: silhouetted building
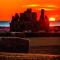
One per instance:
[(27, 21), (14, 23), (12, 27), (43, 21), (21, 22), (35, 22), (46, 23)]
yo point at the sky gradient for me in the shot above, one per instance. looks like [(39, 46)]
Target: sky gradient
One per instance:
[(9, 7)]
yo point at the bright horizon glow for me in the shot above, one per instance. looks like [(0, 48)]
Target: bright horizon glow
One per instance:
[(52, 19), (4, 24)]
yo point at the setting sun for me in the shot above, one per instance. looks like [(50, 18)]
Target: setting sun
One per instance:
[(52, 19)]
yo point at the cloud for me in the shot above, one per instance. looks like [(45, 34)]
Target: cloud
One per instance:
[(39, 7)]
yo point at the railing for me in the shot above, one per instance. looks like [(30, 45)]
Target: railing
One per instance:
[(30, 34)]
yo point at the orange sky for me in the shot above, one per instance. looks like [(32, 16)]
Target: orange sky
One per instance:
[(10, 7)]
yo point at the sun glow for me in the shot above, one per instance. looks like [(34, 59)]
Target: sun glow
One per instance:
[(52, 19), (33, 5)]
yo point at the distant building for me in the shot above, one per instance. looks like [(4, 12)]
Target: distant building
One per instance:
[(43, 21), (27, 21), (35, 22), (46, 23), (14, 23), (55, 28), (55, 25)]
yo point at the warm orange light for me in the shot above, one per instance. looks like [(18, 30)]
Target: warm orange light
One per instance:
[(52, 19), (8, 8), (31, 5)]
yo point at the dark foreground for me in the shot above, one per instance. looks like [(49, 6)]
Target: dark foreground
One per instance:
[(28, 56), (42, 46)]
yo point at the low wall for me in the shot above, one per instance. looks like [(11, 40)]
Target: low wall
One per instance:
[(14, 44), (44, 41)]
